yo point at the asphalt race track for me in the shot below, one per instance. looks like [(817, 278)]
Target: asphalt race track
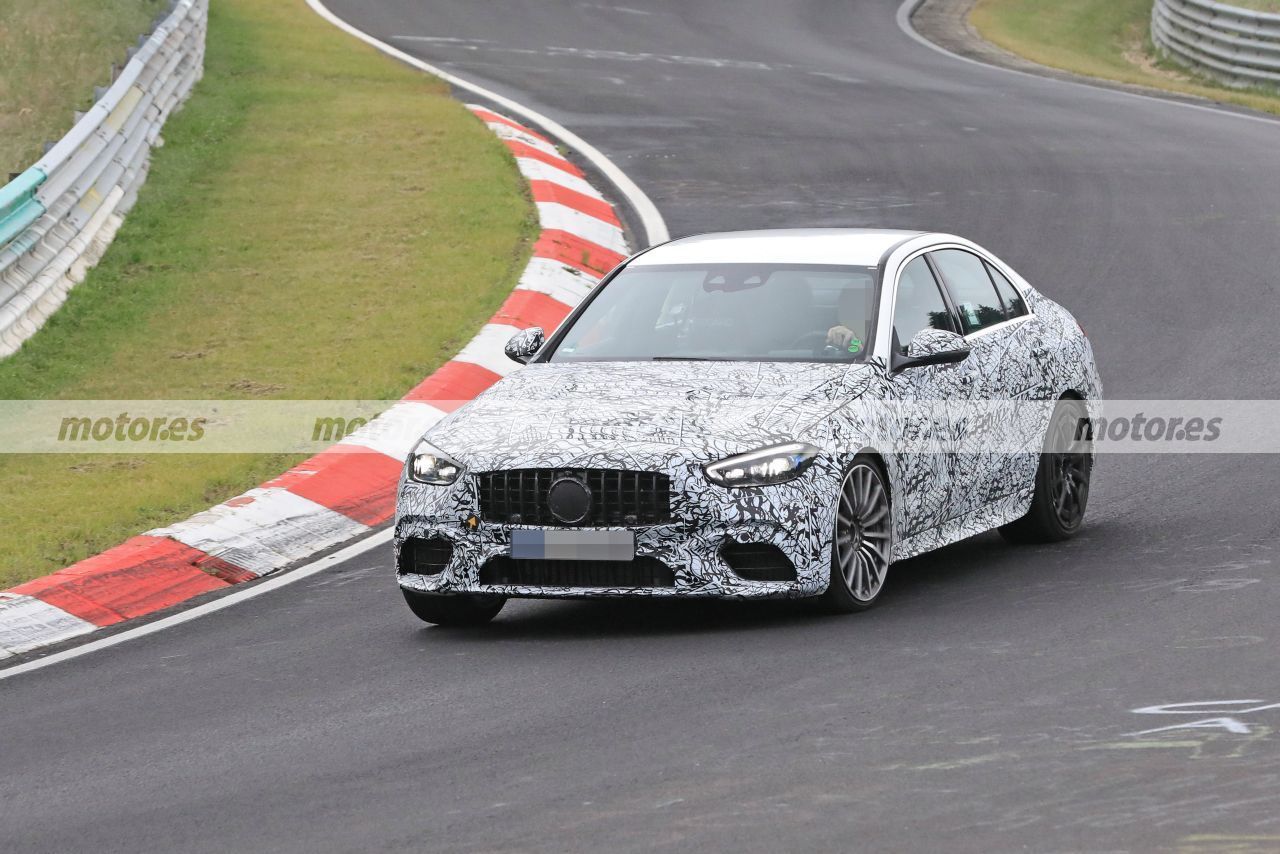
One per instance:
[(987, 704)]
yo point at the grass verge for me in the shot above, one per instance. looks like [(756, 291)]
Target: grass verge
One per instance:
[(321, 223), (1102, 38), (52, 54)]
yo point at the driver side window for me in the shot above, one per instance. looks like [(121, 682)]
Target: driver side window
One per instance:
[(919, 305)]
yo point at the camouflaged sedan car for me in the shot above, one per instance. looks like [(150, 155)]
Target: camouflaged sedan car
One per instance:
[(754, 415)]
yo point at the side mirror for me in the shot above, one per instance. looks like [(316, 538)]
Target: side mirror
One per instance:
[(932, 347), (524, 344)]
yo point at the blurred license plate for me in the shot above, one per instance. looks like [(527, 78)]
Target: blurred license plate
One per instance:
[(573, 545)]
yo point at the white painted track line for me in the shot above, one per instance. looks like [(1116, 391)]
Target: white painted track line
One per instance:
[(373, 541)]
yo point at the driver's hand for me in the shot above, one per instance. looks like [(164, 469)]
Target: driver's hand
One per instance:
[(839, 336)]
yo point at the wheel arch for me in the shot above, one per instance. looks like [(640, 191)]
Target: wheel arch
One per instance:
[(881, 463)]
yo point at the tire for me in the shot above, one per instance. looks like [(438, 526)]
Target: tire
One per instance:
[(861, 544), (1062, 479), (461, 610)]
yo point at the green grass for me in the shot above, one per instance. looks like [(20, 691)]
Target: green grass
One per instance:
[(52, 54), (1102, 38), (322, 223)]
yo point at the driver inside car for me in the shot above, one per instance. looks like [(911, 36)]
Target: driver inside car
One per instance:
[(850, 332)]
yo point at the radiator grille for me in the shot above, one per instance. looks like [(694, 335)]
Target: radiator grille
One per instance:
[(618, 497)]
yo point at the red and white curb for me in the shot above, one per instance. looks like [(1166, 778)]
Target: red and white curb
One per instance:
[(347, 490)]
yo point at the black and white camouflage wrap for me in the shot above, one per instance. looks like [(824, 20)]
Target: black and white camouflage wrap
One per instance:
[(950, 477)]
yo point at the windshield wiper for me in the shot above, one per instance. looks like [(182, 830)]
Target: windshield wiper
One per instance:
[(689, 359)]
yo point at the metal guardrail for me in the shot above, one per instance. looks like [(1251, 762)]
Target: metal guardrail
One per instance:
[(1239, 47), (58, 217)]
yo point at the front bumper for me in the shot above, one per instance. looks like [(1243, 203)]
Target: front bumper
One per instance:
[(796, 517)]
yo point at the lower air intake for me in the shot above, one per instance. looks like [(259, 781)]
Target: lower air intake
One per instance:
[(758, 562), (641, 572), (425, 557)]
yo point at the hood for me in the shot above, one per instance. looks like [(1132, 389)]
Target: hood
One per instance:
[(569, 413)]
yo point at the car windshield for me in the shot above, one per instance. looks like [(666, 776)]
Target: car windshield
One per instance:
[(738, 312)]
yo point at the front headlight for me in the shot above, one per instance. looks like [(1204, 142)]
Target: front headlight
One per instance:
[(775, 464), (429, 464)]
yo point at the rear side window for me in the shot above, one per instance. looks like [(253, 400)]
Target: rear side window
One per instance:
[(971, 289), (1013, 303), (919, 304)]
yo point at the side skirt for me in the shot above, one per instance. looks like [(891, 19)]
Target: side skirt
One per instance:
[(1002, 511)]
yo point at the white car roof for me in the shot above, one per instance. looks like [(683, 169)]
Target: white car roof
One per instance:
[(859, 247)]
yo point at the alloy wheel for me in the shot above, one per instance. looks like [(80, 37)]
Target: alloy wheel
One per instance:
[(862, 532), (1070, 462)]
